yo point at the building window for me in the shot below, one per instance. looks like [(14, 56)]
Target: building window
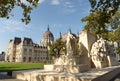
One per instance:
[(13, 58), (25, 50), (43, 57), (30, 50), (29, 59), (35, 51)]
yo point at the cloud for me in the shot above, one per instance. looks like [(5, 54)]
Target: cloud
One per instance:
[(24, 1), (55, 2), (12, 26), (68, 7), (41, 1), (2, 30)]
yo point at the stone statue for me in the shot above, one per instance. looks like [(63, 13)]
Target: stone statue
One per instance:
[(99, 53), (68, 59)]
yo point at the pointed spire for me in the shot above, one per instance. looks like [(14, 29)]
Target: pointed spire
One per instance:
[(48, 29), (78, 33), (60, 35), (69, 30)]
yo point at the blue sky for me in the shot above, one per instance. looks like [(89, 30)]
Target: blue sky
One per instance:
[(59, 14)]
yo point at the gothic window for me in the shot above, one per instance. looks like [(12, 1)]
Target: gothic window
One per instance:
[(30, 50), (29, 59), (14, 58), (25, 50)]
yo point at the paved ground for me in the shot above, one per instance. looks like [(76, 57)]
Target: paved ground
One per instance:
[(10, 80), (117, 78), (5, 77)]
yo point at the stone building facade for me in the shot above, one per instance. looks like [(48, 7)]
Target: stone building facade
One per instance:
[(26, 50), (2, 56)]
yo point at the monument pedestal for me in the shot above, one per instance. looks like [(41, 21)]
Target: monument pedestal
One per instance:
[(105, 74), (67, 68)]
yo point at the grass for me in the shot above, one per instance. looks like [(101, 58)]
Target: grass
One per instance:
[(20, 66)]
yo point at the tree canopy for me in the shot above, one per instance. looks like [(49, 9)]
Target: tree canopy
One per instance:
[(57, 48), (106, 7), (104, 18), (6, 6)]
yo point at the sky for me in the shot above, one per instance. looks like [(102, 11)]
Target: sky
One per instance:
[(60, 15)]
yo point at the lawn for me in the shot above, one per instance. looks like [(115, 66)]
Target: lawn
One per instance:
[(20, 66)]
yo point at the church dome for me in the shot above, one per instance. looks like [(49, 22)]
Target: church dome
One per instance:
[(48, 38)]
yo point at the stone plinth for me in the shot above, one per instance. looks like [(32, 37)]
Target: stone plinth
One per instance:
[(48, 67), (64, 68)]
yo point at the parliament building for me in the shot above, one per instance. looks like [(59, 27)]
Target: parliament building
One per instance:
[(25, 50)]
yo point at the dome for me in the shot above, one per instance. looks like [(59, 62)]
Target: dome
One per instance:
[(64, 37), (48, 38), (47, 34)]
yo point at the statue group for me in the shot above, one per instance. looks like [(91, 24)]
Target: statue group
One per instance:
[(91, 52)]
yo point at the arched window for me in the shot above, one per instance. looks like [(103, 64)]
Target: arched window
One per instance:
[(29, 59)]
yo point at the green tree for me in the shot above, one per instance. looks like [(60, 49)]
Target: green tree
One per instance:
[(57, 48), (117, 39), (6, 6), (114, 27), (104, 18), (117, 35), (106, 7), (95, 23), (115, 21)]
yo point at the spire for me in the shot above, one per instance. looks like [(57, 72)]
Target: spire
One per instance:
[(48, 28), (78, 34), (69, 30), (60, 35)]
